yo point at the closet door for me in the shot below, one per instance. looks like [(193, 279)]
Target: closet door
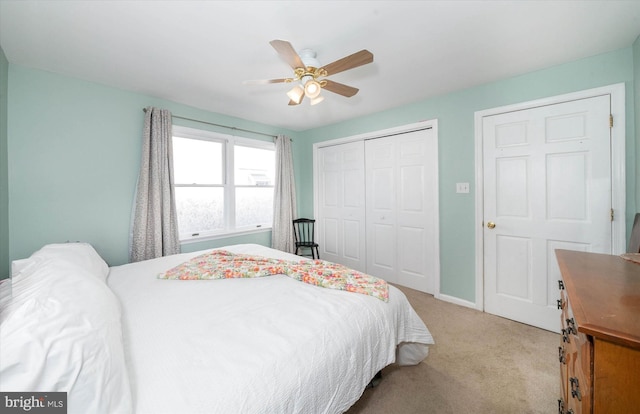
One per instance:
[(402, 208), (341, 214)]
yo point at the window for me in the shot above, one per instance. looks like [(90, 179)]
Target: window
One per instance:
[(223, 184)]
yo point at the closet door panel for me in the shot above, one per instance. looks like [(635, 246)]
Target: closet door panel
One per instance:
[(381, 258), (352, 242), (412, 178), (353, 189), (381, 208), (341, 216), (411, 260), (328, 229), (401, 188), (412, 210)]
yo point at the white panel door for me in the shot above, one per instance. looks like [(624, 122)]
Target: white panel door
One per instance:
[(547, 186), (381, 208), (402, 235), (341, 215)]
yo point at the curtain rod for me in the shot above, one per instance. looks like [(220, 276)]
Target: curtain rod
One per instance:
[(219, 125)]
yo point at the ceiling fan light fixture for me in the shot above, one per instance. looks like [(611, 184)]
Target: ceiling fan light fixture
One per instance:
[(296, 94), (312, 89), (317, 100)]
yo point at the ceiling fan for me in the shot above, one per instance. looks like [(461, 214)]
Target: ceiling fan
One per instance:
[(307, 72)]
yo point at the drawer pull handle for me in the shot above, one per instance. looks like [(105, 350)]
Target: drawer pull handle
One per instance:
[(561, 407), (571, 326), (560, 304), (561, 356), (565, 335), (575, 388), (560, 285)]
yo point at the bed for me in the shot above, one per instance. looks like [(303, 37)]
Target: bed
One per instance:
[(122, 340)]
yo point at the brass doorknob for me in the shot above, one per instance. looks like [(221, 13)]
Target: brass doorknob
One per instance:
[(491, 224)]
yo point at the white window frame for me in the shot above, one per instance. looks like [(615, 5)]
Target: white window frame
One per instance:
[(229, 142)]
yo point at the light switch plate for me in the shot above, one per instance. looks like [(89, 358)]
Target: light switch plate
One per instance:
[(462, 187)]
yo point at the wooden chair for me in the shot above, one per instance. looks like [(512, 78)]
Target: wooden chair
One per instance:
[(304, 233), (634, 242)]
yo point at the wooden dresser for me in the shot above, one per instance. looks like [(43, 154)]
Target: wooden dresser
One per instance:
[(599, 352)]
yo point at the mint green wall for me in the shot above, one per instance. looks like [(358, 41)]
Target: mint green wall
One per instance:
[(636, 81), (74, 154), (4, 178), (455, 114)]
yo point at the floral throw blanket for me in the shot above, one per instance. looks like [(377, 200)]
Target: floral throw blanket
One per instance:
[(222, 264)]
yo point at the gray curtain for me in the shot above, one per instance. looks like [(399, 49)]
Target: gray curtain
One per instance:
[(155, 222), (284, 198)]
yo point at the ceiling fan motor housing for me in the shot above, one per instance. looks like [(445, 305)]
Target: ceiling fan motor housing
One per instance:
[(308, 57)]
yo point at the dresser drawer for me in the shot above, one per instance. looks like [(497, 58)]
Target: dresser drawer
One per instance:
[(579, 359), (575, 355)]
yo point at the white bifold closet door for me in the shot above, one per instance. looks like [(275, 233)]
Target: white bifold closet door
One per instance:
[(402, 209), (340, 220), (377, 207)]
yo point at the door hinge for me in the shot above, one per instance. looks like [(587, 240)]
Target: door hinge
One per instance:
[(610, 121), (611, 214)]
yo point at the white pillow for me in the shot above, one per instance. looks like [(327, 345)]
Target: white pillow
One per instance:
[(81, 256), (61, 331)]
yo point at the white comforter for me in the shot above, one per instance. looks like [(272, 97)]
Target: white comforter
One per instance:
[(263, 345)]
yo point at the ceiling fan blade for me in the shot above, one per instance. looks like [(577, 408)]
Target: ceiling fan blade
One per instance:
[(287, 53), (266, 81), (340, 89), (349, 62)]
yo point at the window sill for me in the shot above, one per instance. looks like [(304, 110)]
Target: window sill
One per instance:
[(218, 236)]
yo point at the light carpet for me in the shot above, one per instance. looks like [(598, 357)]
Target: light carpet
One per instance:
[(481, 363)]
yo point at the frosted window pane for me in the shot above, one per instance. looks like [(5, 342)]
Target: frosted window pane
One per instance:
[(254, 206), (254, 166), (197, 162), (200, 209)]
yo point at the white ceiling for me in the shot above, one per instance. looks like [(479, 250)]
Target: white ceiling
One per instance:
[(199, 52)]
